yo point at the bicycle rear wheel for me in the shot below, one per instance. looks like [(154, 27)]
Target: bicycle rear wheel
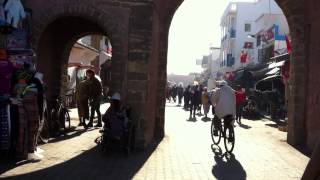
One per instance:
[(66, 119), (216, 139), (44, 131), (229, 138)]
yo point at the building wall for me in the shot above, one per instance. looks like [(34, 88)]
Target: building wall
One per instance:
[(247, 13)]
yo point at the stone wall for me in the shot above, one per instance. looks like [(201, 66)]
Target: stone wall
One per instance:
[(139, 29)]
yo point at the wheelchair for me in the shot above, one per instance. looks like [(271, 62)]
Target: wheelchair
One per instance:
[(124, 140)]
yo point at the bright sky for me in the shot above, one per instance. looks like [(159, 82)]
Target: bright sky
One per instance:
[(195, 26)]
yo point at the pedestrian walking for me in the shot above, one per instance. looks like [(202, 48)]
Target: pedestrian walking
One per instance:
[(205, 102), (186, 97), (240, 100), (180, 93), (95, 95), (174, 93)]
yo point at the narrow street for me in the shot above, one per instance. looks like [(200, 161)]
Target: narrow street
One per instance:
[(261, 152)]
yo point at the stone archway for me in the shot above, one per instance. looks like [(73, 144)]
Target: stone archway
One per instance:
[(58, 25), (139, 33), (301, 124)]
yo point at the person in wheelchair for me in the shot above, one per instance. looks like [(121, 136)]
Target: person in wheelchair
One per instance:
[(115, 119), (118, 127), (224, 100)]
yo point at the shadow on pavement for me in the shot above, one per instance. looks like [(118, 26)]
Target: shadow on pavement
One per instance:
[(70, 135), (227, 166), (206, 119), (272, 125), (93, 164), (192, 119), (244, 126)]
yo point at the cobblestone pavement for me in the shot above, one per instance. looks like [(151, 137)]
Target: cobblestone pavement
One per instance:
[(185, 153)]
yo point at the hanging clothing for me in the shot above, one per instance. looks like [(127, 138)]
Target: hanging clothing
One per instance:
[(22, 138), (2, 15), (4, 125), (30, 104), (6, 70), (15, 12)]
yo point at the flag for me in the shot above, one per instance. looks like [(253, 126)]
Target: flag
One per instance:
[(289, 48)]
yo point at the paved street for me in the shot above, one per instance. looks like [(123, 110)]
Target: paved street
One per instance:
[(185, 153)]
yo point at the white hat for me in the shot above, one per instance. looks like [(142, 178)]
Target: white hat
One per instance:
[(116, 96)]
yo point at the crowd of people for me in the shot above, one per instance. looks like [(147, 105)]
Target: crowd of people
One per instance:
[(223, 100)]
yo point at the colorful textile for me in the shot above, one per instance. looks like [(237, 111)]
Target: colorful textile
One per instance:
[(6, 70), (32, 116), (15, 12), (21, 147)]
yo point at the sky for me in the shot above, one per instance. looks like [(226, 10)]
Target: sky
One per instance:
[(194, 28)]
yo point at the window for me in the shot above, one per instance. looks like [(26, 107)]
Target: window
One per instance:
[(247, 27)]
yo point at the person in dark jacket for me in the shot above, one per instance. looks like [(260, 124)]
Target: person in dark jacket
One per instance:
[(180, 93), (174, 93), (95, 94), (186, 98), (194, 101)]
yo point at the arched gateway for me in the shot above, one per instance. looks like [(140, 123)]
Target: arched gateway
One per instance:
[(139, 34)]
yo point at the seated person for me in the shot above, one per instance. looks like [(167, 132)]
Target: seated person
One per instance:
[(115, 118)]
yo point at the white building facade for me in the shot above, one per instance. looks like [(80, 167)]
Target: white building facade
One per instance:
[(239, 25)]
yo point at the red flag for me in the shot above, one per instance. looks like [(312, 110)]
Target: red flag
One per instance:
[(289, 48)]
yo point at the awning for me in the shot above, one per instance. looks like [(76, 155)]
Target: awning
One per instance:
[(273, 71), (276, 64), (82, 54), (270, 77)]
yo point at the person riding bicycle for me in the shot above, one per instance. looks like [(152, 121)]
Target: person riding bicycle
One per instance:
[(224, 100)]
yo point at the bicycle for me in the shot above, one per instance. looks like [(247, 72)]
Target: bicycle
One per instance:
[(224, 129), (59, 116), (44, 129)]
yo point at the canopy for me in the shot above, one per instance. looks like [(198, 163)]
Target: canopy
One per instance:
[(273, 71), (276, 64)]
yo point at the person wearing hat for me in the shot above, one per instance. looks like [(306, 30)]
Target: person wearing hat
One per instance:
[(224, 100), (95, 95), (114, 117)]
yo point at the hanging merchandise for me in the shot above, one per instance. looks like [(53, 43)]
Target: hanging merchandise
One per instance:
[(17, 39), (14, 12), (2, 13)]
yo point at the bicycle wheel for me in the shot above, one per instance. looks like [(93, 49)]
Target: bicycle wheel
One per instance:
[(65, 119), (56, 124), (44, 134), (216, 139), (229, 138)]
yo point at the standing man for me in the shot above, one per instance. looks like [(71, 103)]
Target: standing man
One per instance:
[(240, 100), (180, 93), (82, 98), (95, 90)]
